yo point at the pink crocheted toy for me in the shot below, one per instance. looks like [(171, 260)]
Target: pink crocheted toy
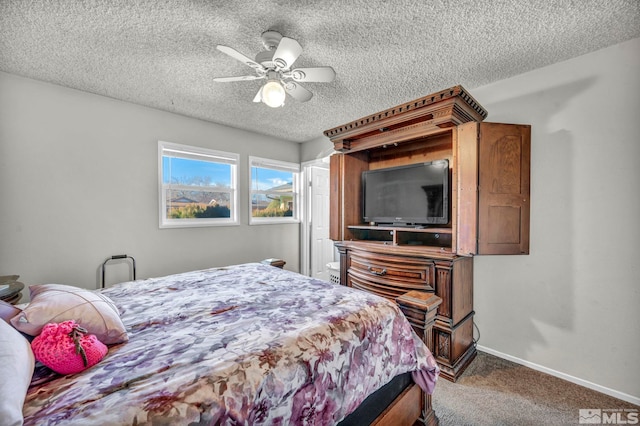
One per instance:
[(66, 348)]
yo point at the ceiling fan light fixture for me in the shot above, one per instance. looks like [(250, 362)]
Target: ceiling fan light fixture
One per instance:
[(275, 66), (273, 94)]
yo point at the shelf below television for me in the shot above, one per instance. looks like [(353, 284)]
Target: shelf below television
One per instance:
[(438, 239), (403, 228)]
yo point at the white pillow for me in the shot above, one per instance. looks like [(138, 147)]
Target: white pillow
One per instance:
[(57, 303), (16, 369)]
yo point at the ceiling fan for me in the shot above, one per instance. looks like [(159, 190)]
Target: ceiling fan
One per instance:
[(275, 66)]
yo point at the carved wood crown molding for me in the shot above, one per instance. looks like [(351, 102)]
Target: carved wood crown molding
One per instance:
[(446, 108)]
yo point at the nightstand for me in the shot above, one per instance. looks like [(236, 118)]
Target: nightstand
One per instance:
[(278, 263), (10, 291)]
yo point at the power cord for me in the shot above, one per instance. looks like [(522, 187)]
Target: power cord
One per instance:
[(474, 340)]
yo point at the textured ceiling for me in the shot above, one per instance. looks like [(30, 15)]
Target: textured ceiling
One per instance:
[(162, 53)]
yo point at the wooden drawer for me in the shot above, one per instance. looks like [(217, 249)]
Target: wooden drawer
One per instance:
[(373, 286), (390, 276)]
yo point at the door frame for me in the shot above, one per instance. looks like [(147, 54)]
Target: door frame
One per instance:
[(307, 208)]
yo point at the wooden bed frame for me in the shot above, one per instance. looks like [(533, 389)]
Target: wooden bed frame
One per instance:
[(413, 405)]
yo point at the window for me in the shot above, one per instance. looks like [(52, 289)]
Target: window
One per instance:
[(274, 191), (197, 186)]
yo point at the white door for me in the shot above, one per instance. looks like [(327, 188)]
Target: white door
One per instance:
[(321, 247)]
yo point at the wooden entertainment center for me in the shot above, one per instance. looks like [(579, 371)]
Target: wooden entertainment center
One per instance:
[(488, 212)]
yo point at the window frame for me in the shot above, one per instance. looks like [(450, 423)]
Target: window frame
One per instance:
[(266, 163), (198, 154)]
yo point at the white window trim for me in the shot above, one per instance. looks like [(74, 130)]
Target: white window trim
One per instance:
[(197, 153), (276, 165)]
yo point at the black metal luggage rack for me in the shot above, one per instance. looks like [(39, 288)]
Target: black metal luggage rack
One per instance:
[(118, 257)]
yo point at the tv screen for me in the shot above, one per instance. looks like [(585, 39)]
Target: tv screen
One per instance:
[(416, 194)]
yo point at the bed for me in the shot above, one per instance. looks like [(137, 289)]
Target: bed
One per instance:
[(249, 344)]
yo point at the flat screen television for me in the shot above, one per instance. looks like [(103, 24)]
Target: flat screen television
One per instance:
[(417, 194)]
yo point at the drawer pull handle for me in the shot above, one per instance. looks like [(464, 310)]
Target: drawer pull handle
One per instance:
[(379, 273)]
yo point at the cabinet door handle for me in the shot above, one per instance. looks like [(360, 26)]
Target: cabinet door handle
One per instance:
[(379, 273)]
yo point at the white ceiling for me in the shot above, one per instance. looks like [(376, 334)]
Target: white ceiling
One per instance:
[(161, 53)]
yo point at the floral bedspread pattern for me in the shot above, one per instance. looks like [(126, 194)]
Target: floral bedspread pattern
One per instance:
[(246, 344)]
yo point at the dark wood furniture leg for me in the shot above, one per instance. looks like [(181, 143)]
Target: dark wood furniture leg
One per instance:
[(420, 308)]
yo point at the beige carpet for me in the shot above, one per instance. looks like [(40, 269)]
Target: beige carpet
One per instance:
[(493, 391)]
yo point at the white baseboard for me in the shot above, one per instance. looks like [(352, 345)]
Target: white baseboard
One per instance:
[(607, 391)]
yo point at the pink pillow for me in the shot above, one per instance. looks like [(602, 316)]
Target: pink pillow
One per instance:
[(55, 303), (66, 348)]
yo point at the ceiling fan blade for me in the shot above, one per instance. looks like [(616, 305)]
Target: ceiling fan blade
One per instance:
[(240, 78), (240, 57), (297, 92), (318, 74), (258, 97), (287, 52)]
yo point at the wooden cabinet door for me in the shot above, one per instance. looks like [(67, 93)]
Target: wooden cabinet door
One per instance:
[(493, 165), (335, 196), (345, 196), (504, 156)]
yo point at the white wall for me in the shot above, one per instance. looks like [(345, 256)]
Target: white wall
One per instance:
[(571, 307), (316, 149), (78, 183), (573, 304)]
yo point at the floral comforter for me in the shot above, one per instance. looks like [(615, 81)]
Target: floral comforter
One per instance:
[(245, 344)]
